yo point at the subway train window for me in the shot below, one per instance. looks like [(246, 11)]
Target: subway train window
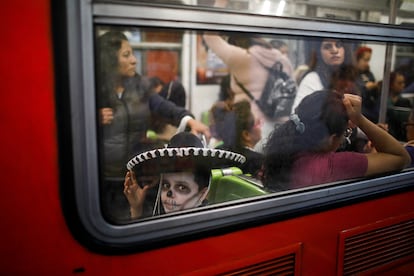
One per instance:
[(283, 112), (207, 118)]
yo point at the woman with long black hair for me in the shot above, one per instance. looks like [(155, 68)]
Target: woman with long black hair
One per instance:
[(326, 57), (303, 151), (125, 105)]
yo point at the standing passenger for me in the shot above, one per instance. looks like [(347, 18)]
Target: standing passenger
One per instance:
[(327, 57), (249, 60), (397, 85), (367, 84), (396, 114), (125, 105)]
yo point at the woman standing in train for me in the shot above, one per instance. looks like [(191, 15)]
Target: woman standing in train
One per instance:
[(327, 56), (367, 84), (125, 105), (248, 59), (397, 106)]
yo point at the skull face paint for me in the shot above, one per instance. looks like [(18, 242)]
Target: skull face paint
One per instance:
[(179, 191)]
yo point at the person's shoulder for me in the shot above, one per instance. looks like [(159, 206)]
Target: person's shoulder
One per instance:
[(311, 75), (308, 76), (139, 81), (346, 154), (331, 156), (310, 81), (266, 56), (311, 162), (348, 159), (310, 156)]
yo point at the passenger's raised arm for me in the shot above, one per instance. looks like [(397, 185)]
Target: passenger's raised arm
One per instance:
[(249, 59), (304, 150), (390, 154), (198, 128)]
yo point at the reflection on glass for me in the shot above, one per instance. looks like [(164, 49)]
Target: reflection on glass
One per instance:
[(215, 71), (353, 10)]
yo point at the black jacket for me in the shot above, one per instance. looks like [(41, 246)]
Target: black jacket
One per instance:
[(126, 135)]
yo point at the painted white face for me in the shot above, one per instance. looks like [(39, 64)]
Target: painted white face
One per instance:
[(179, 192), (127, 62), (332, 52)]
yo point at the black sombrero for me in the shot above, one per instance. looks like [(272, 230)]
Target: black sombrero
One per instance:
[(183, 158)]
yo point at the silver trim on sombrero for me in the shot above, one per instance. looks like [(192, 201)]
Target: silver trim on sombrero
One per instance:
[(183, 152)]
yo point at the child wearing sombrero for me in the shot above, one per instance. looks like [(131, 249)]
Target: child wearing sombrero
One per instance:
[(182, 171)]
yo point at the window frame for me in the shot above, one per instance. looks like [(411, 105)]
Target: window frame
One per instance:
[(84, 170)]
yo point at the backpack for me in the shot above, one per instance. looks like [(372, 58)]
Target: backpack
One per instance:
[(278, 94)]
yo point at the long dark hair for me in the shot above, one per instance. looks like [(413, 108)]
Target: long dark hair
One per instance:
[(318, 116), (107, 52), (107, 48)]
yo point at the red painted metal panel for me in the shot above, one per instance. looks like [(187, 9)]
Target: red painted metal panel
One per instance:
[(376, 246), (228, 265)]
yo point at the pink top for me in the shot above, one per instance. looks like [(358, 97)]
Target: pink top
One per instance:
[(317, 168)]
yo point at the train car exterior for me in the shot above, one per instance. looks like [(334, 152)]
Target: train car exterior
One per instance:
[(52, 223)]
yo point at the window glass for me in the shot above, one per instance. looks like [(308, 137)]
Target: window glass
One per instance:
[(365, 11), (149, 81)]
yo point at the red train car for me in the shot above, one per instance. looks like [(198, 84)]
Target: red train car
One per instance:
[(52, 221)]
